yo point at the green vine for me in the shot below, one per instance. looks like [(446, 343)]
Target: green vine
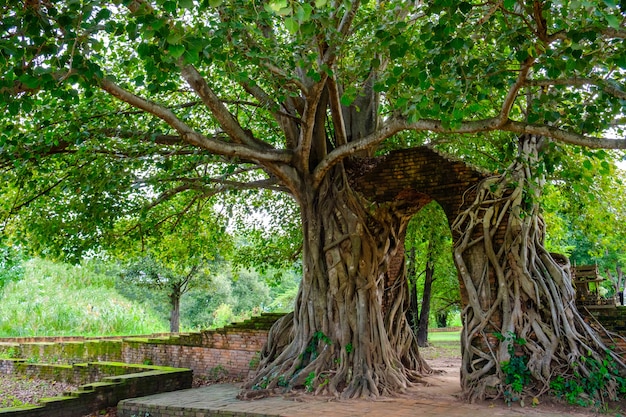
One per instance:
[(515, 370), (604, 383)]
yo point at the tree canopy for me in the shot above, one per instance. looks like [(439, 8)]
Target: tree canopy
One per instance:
[(200, 96), (116, 108)]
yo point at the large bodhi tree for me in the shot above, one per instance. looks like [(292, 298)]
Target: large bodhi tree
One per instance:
[(188, 98)]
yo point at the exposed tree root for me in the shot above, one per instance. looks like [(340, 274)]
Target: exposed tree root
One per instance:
[(516, 289), (339, 341)]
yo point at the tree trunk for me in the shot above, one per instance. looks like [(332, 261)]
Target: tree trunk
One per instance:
[(442, 318), (339, 339), (175, 312), (422, 330), (515, 290), (413, 310)]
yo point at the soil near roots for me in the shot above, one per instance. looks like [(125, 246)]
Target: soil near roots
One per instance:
[(443, 386)]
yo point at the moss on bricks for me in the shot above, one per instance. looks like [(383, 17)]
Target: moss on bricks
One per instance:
[(16, 410)]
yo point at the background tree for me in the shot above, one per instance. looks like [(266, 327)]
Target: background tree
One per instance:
[(585, 215), (147, 273), (175, 255), (196, 98), (11, 265), (429, 245)]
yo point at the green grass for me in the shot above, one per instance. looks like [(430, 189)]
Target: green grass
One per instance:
[(442, 345), (56, 299), (436, 337)]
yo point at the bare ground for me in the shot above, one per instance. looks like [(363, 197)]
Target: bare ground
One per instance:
[(443, 386), (16, 390)]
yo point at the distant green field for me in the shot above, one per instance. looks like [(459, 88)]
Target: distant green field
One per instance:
[(442, 345), (435, 337)]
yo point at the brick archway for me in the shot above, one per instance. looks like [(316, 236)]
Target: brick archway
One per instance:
[(417, 176), (419, 170)]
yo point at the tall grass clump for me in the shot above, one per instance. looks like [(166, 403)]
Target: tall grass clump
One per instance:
[(55, 299)]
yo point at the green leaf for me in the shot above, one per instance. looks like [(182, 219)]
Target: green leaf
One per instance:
[(277, 5), (587, 164), (613, 21), (176, 50), (291, 24), (509, 5), (29, 81), (215, 3), (174, 38), (169, 6), (348, 96), (284, 11), (320, 3), (186, 4), (303, 12)]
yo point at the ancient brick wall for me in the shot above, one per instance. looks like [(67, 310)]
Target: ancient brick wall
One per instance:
[(418, 176), (419, 172), (233, 349)]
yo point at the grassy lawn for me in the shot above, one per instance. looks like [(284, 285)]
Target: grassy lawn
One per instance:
[(442, 345), (436, 337)]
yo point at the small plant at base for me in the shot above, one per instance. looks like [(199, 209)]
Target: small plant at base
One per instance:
[(263, 383), (282, 381), (309, 381), (517, 374), (591, 390), (311, 348), (254, 362), (349, 348)]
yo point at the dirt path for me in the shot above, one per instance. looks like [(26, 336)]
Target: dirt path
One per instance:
[(445, 386)]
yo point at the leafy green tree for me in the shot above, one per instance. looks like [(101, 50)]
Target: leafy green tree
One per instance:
[(431, 270), (195, 98), (148, 273), (11, 265), (585, 217), (175, 255)]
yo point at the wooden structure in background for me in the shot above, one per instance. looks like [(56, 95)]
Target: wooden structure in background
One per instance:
[(587, 280)]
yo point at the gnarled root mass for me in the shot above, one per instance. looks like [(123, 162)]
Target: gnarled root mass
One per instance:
[(340, 340), (520, 299)]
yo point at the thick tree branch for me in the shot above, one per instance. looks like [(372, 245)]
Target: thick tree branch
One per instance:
[(343, 29), (565, 136), (396, 125), (287, 121), (303, 150), (201, 186), (341, 137), (289, 80), (606, 86), (514, 90), (189, 135), (227, 121)]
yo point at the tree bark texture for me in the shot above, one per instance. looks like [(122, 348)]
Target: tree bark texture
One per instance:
[(340, 339), (413, 311), (175, 312), (429, 273), (515, 289)]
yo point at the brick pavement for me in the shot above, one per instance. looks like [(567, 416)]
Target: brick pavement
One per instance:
[(219, 400)]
